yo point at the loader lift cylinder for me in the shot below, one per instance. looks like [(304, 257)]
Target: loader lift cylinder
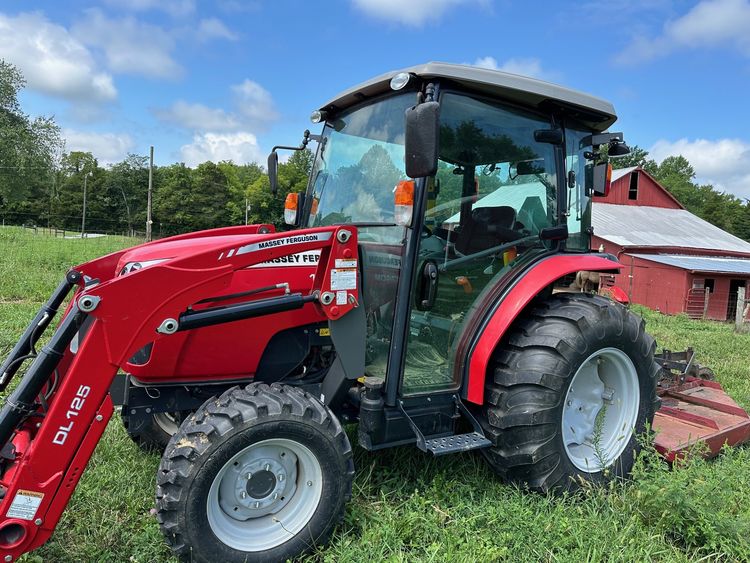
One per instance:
[(218, 315), (21, 402), (36, 328)]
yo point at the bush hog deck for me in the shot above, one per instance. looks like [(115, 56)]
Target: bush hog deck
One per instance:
[(695, 411), (417, 294)]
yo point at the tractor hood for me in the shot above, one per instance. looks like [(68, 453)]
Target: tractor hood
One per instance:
[(153, 253)]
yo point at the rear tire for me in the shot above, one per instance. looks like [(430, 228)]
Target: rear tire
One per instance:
[(571, 386), (153, 433), (259, 474)]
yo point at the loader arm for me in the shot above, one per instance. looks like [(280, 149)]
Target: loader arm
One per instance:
[(47, 443)]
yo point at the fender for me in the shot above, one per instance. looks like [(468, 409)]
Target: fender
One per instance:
[(515, 300)]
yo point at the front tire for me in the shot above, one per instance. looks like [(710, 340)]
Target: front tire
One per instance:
[(572, 385), (259, 474)]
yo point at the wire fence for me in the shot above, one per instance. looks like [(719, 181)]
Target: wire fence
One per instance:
[(70, 226), (716, 305)]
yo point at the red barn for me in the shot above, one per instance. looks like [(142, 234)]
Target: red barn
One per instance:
[(673, 261)]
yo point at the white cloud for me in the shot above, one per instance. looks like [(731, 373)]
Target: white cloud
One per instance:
[(53, 61), (238, 147), (711, 23), (409, 12), (253, 109), (198, 117), (106, 147), (129, 46), (725, 163), (254, 102), (213, 28), (172, 7), (524, 66)]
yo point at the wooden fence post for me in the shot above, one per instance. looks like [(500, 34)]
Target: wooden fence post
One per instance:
[(705, 302), (739, 319)]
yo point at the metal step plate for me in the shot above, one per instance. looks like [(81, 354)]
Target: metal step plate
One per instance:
[(457, 443)]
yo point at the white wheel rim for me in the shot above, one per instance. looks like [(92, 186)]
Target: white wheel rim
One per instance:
[(600, 410), (277, 501)]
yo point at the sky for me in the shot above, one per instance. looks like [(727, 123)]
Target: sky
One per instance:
[(229, 79)]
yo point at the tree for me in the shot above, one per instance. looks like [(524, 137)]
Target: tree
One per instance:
[(292, 177), (173, 186), (240, 177), (128, 182), (190, 200), (67, 201), (29, 148), (676, 174), (637, 157)]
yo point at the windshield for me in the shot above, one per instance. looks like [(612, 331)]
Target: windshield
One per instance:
[(359, 163)]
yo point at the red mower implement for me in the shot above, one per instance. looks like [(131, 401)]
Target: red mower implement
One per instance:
[(422, 292)]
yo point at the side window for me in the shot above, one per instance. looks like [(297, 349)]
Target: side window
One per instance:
[(579, 208)]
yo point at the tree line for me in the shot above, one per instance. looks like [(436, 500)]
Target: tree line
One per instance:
[(42, 184)]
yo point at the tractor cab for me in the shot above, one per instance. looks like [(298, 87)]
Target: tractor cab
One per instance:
[(508, 183)]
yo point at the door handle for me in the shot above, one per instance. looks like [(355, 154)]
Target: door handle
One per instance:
[(428, 286)]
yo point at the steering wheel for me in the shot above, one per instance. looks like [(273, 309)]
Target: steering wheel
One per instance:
[(450, 264)]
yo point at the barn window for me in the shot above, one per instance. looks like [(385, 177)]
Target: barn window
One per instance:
[(709, 285), (633, 192)]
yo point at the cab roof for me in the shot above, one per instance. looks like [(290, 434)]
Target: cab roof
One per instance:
[(530, 92)]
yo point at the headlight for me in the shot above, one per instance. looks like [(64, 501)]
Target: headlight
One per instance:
[(133, 266)]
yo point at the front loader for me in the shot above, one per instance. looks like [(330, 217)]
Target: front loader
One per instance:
[(420, 293)]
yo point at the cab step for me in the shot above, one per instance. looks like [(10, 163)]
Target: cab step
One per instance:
[(454, 443)]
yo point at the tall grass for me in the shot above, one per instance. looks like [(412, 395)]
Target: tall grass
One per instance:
[(408, 506)]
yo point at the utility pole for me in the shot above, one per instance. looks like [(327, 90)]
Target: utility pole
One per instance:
[(83, 218), (150, 187)]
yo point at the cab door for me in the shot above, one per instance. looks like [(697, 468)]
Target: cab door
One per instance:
[(494, 191)]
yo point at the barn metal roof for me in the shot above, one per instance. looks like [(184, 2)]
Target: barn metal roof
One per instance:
[(630, 225), (595, 112), (701, 263), (620, 172)]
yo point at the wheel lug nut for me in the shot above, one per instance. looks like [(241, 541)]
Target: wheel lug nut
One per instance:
[(309, 483), (249, 476), (281, 476), (243, 494), (267, 467), (275, 496), (257, 504)]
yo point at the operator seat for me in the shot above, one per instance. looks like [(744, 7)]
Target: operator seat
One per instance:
[(487, 227)]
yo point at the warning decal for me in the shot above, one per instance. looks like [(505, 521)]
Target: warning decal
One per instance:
[(343, 279), (340, 263), (25, 505)]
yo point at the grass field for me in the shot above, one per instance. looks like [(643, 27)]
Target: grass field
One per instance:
[(408, 506)]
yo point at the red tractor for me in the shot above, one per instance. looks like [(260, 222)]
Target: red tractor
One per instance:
[(422, 294)]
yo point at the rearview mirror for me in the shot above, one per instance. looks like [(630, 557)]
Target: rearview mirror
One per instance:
[(421, 140), (273, 168), (527, 167)]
